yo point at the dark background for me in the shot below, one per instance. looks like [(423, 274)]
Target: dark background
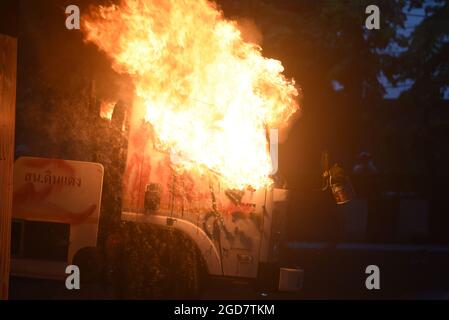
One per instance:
[(9, 14)]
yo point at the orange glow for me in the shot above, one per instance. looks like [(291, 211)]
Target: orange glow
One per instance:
[(210, 96), (106, 109)]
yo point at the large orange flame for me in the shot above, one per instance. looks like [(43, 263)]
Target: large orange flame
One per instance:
[(210, 96)]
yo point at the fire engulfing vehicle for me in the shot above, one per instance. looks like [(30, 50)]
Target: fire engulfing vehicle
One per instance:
[(196, 151), (234, 229), (58, 220)]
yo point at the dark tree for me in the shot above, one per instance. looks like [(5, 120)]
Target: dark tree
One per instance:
[(426, 60)]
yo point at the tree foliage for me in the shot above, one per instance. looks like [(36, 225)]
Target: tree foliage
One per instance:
[(426, 60), (326, 40)]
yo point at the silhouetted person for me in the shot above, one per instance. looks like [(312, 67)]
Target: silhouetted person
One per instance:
[(365, 174), (365, 165)]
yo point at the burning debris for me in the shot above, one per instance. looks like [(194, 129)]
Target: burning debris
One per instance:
[(209, 95)]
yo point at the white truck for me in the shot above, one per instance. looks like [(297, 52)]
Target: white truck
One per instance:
[(235, 230)]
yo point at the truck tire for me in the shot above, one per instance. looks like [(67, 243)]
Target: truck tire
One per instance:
[(89, 262), (156, 262)]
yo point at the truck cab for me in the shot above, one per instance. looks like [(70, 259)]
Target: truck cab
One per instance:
[(235, 230)]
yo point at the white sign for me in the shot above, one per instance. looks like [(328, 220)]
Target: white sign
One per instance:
[(60, 191)]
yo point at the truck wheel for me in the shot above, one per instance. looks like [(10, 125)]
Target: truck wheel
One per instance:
[(89, 262), (153, 262), (198, 276)]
